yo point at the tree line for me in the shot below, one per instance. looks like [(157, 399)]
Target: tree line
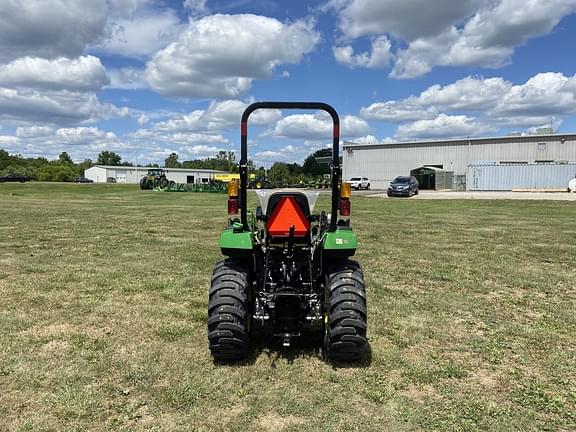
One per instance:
[(65, 169)]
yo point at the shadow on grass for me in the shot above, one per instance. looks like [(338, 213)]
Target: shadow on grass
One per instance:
[(307, 346)]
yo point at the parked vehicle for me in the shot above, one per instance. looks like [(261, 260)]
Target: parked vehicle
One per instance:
[(359, 183), (14, 178), (111, 180), (403, 186), (81, 179)]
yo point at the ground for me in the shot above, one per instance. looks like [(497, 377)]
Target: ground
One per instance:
[(103, 294)]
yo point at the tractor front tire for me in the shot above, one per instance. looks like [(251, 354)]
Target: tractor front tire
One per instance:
[(228, 311), (345, 328), (143, 184)]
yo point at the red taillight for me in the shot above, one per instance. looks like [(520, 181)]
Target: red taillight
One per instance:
[(232, 206), (344, 207)]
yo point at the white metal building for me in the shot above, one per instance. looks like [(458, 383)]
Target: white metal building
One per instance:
[(381, 163), (126, 174)]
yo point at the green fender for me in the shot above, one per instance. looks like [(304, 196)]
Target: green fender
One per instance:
[(235, 242), (340, 243)]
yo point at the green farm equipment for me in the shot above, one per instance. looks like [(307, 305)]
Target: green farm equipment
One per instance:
[(154, 178), (288, 271), (212, 186)]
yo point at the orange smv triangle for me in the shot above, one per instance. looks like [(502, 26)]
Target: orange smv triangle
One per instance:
[(286, 214)]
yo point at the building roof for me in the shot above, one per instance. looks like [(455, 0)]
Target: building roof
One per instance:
[(145, 168), (467, 141)]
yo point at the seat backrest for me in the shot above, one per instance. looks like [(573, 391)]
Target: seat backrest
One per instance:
[(287, 209)]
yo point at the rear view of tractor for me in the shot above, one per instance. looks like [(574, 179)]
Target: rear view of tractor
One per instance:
[(154, 178), (288, 270)]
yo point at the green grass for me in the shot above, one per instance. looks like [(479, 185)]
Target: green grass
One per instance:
[(103, 294)]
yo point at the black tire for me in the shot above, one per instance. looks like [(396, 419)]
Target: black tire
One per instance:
[(143, 185), (368, 186), (163, 182), (228, 311), (345, 332)]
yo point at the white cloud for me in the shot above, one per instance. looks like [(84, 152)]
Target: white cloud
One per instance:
[(33, 131), (141, 35), (443, 126), (50, 29), (85, 73), (379, 57), (220, 55), (451, 33), (317, 126), (494, 100), (219, 116), (60, 107), (398, 111), (127, 78), (371, 139), (196, 7), (407, 20), (470, 93)]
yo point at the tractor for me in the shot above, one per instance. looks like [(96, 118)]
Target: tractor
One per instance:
[(155, 177), (288, 271)]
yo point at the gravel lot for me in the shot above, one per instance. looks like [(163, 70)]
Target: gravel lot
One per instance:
[(424, 194)]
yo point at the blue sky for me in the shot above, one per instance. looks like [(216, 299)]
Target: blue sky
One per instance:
[(147, 78)]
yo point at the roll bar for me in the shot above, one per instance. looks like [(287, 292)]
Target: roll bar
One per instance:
[(243, 166)]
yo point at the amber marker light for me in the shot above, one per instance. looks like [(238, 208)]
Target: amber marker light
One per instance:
[(345, 190), (233, 188)]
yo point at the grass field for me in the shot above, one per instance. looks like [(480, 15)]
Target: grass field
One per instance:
[(103, 295)]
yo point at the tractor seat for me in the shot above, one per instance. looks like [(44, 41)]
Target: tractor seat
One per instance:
[(286, 210)]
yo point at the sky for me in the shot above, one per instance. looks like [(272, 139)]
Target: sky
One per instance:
[(147, 78)]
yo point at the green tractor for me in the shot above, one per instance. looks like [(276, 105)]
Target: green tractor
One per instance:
[(288, 271), (155, 177)]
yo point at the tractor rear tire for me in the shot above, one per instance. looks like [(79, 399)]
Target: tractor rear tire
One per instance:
[(228, 311), (345, 332)]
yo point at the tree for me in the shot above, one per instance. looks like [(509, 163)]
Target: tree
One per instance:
[(172, 161), (279, 173), (65, 159), (313, 167), (108, 158)]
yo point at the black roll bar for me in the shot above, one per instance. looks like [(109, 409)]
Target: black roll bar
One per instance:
[(243, 166)]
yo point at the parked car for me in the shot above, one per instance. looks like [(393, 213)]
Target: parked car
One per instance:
[(359, 183), (82, 180), (403, 186), (14, 178), (111, 180)]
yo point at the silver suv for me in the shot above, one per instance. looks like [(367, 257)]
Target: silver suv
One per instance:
[(359, 183)]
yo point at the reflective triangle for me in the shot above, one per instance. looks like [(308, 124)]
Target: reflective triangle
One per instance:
[(286, 214)]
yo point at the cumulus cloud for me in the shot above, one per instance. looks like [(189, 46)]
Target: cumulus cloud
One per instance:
[(379, 57), (219, 116), (402, 19), (127, 78), (452, 33), (544, 98), (443, 126), (34, 131), (196, 7), (220, 55), (141, 35), (79, 142), (317, 126), (85, 73), (60, 107), (50, 29)]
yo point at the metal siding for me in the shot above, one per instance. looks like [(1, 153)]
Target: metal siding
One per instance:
[(509, 177), (383, 162)]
